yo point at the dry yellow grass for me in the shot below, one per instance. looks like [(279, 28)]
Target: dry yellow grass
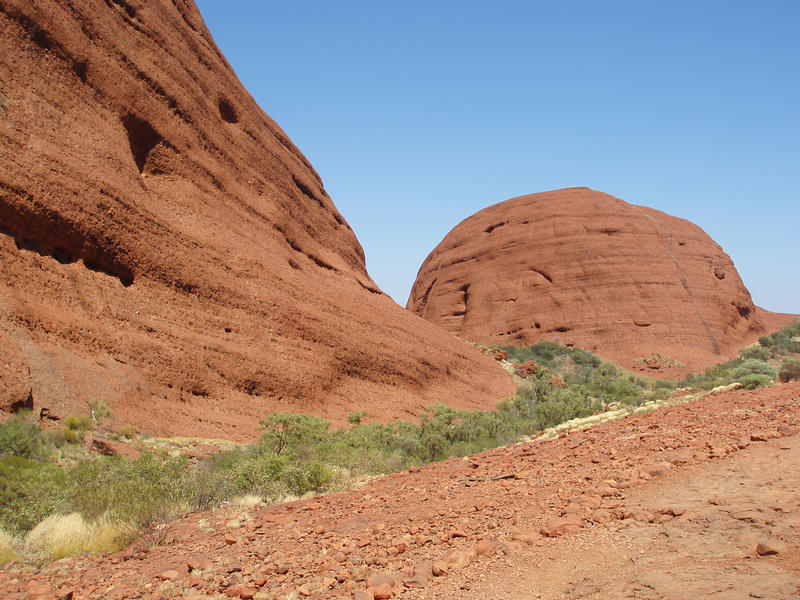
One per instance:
[(247, 501), (65, 535), (8, 544)]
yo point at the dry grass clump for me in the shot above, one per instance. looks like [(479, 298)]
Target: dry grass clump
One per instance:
[(59, 536), (8, 544), (247, 501)]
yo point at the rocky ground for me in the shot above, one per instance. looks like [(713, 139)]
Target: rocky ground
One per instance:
[(698, 500)]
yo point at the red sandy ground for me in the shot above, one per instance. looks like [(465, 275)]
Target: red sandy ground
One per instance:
[(696, 500)]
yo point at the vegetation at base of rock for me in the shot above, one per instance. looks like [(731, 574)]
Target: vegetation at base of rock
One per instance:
[(295, 455), (56, 497), (758, 365), (783, 342), (587, 377)]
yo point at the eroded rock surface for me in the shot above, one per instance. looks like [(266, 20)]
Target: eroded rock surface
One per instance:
[(167, 249), (632, 283)]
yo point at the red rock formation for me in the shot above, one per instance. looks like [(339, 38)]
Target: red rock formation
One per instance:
[(584, 267), (166, 248)]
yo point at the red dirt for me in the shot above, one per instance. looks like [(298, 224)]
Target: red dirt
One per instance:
[(683, 502), (165, 247), (589, 269)]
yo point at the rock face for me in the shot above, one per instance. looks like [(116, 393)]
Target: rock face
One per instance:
[(584, 267), (164, 247)]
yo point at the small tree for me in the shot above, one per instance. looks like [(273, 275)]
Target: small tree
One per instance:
[(98, 410)]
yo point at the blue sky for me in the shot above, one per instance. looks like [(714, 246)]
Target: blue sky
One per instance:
[(419, 113)]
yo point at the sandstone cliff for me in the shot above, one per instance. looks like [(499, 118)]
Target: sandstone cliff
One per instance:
[(165, 247)]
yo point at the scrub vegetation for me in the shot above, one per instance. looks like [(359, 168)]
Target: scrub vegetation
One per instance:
[(57, 499)]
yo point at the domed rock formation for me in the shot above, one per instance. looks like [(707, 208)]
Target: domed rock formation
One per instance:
[(165, 248), (582, 267)]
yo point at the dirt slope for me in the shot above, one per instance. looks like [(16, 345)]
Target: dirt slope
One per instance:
[(584, 267), (164, 246), (668, 504)]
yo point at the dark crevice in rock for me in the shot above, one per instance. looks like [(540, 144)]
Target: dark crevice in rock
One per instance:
[(142, 139), (227, 112), (48, 233), (26, 405), (307, 191), (369, 288)]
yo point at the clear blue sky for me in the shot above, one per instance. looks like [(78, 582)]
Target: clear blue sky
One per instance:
[(419, 113)]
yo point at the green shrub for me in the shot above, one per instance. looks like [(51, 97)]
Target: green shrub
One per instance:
[(29, 492), (753, 366), (142, 491), (21, 436), (78, 422), (789, 369), (76, 427), (756, 352), (129, 431), (755, 380)]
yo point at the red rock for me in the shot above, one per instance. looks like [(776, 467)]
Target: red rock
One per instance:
[(675, 510), (525, 536), (41, 590), (556, 527), (170, 227), (363, 595), (241, 591), (439, 567), (374, 581), (786, 431), (382, 591), (456, 559), (646, 289), (768, 548), (486, 548), (282, 568), (761, 436), (15, 380), (110, 447), (201, 563)]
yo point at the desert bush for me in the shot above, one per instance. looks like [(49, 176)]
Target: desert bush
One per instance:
[(753, 366), (789, 369), (752, 381), (129, 431), (757, 352), (291, 433), (29, 492), (143, 491), (76, 427), (22, 436)]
